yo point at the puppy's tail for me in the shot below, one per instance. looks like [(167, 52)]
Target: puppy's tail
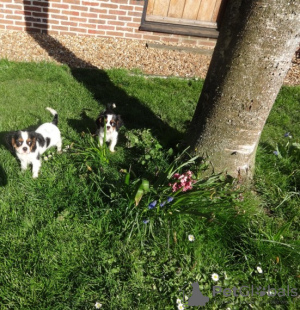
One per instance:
[(55, 114), (110, 107)]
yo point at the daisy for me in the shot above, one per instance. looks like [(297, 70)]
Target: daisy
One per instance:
[(215, 277), (271, 293), (180, 307), (191, 238), (98, 305), (259, 269), (178, 301)]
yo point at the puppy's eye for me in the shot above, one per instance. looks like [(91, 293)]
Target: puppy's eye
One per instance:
[(113, 124), (29, 143), (19, 143)]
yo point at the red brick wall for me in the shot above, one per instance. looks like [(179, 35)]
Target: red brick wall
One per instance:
[(105, 18)]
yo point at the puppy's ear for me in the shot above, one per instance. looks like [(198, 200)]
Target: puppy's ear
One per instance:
[(11, 139), (38, 137), (119, 122), (100, 121)]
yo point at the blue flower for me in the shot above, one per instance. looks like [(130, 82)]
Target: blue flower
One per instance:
[(170, 199), (275, 153), (287, 135), (152, 204), (163, 203), (145, 221)]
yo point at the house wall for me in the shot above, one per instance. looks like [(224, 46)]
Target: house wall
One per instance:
[(105, 18)]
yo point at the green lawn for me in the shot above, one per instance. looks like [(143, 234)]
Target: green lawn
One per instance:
[(83, 232)]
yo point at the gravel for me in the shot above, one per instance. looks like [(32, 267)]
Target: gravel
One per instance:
[(105, 53)]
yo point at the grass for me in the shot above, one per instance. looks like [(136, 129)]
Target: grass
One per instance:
[(76, 235)]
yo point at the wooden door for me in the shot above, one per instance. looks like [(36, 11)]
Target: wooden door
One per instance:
[(203, 13)]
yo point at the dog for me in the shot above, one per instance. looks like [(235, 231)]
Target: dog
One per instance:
[(30, 145), (108, 125)]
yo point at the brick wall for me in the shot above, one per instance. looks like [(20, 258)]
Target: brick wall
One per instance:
[(104, 18)]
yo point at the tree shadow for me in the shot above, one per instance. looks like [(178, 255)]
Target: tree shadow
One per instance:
[(134, 113)]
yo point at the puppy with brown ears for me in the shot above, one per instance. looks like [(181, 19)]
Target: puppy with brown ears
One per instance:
[(108, 125), (30, 145)]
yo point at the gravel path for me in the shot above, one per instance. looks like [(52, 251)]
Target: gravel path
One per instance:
[(106, 53)]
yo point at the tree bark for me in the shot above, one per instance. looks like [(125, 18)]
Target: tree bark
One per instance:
[(253, 53)]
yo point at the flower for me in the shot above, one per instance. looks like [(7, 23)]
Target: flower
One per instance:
[(184, 181), (215, 277), (152, 204), (259, 269), (170, 199), (145, 221), (178, 301), (271, 293), (191, 238), (275, 153), (163, 203), (180, 307), (287, 135), (45, 158), (98, 305)]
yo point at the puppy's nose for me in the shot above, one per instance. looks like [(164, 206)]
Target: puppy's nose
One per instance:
[(107, 127), (24, 149)]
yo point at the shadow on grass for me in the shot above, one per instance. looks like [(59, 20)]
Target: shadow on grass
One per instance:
[(134, 113), (3, 177), (83, 123)]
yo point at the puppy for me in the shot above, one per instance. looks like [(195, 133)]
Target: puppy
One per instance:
[(108, 125), (30, 145)]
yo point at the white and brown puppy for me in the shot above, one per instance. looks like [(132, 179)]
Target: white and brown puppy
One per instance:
[(108, 125), (30, 145)]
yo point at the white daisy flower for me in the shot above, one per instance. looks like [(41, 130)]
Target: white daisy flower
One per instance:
[(98, 305), (215, 277), (259, 269), (191, 238), (180, 307), (271, 293), (45, 158), (178, 301)]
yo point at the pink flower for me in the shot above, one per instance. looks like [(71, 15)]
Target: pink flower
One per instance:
[(184, 181)]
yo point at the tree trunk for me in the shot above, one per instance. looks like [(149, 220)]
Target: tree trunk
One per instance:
[(252, 56)]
